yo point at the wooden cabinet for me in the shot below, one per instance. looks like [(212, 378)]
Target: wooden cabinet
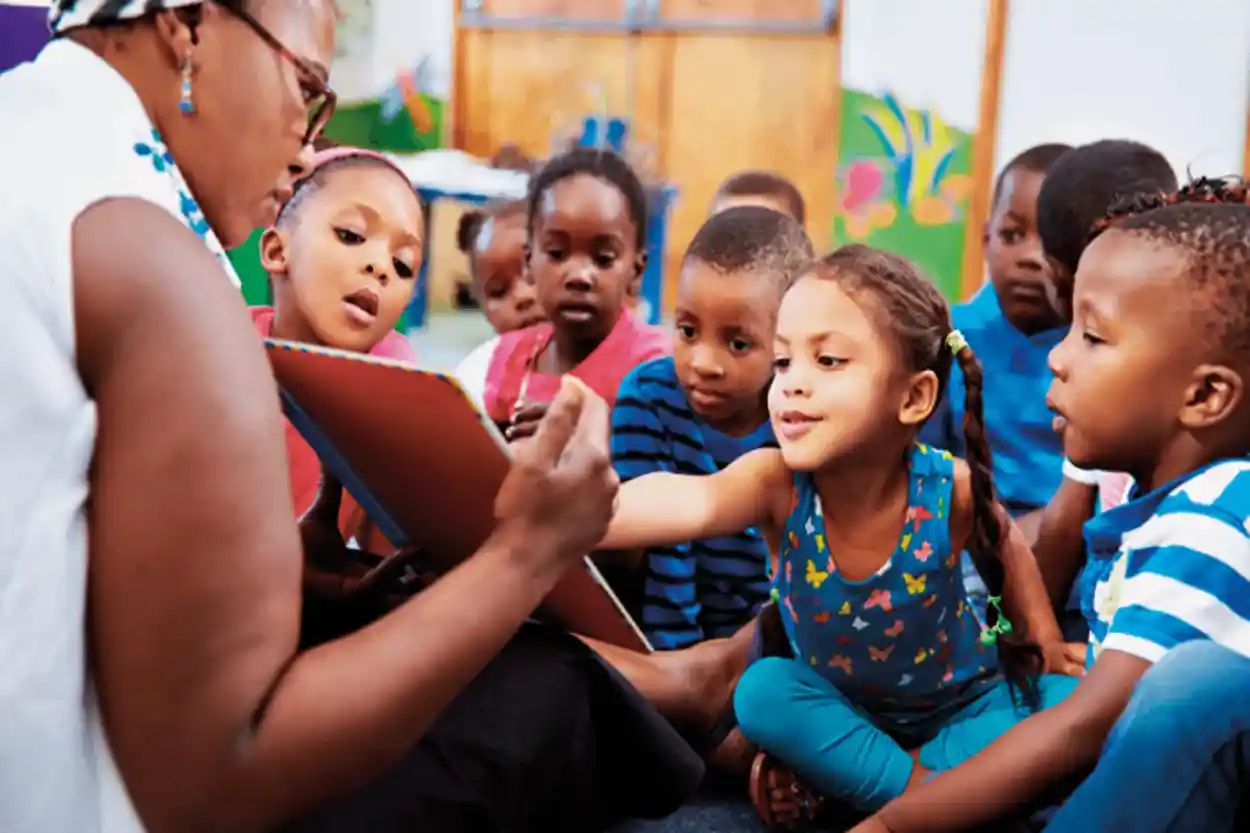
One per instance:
[(704, 105)]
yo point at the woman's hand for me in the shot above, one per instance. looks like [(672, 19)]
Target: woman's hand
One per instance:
[(1064, 658), (525, 421), (561, 491)]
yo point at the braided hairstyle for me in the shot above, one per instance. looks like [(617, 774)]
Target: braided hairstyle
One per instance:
[(916, 317)]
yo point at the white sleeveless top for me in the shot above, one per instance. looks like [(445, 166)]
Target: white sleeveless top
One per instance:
[(74, 134)]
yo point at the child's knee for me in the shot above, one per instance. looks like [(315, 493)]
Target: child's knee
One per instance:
[(761, 695), (1055, 688)]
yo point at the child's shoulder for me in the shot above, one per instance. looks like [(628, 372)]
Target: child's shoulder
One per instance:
[(655, 378), (1219, 492), (978, 313)]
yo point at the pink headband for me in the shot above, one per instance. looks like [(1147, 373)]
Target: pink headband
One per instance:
[(325, 157)]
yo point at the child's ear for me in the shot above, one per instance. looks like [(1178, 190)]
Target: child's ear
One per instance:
[(919, 399), (1212, 396), (273, 252), (635, 283), (985, 234)]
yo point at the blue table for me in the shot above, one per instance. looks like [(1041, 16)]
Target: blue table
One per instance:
[(651, 296)]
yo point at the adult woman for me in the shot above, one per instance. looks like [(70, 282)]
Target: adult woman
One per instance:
[(139, 427)]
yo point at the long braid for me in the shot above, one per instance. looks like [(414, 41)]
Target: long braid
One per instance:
[(1020, 661)]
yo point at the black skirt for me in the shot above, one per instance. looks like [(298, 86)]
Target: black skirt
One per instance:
[(546, 738)]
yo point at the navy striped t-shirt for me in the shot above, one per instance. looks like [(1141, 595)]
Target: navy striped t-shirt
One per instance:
[(708, 588)]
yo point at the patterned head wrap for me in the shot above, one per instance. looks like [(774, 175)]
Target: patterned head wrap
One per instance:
[(70, 14)]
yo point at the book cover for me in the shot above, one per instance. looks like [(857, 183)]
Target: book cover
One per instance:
[(425, 464)]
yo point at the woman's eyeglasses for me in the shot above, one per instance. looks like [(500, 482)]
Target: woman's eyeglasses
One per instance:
[(318, 97)]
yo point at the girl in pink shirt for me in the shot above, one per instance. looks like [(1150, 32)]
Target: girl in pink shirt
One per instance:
[(342, 256), (587, 217)]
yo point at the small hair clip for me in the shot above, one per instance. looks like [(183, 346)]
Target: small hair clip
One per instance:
[(1002, 625), (955, 342)]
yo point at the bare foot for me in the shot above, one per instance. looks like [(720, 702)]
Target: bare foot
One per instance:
[(734, 755), (708, 673)]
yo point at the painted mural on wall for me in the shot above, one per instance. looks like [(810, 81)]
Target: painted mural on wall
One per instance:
[(387, 102), (903, 184), (404, 117)]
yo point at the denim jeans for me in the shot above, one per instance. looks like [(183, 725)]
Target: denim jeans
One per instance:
[(1176, 761)]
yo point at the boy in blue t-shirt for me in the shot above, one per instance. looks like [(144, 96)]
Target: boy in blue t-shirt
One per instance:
[(1011, 325), (1161, 322), (700, 410)]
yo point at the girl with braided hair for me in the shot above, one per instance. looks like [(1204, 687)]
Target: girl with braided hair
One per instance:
[(1161, 320), (892, 676)]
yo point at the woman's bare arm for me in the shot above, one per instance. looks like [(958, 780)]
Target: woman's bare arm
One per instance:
[(663, 509), (195, 562)]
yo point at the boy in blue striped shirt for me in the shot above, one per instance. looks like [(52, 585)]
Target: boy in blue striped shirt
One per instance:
[(700, 410), (1152, 381)]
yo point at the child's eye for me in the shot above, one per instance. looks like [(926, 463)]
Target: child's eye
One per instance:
[(605, 261), (1010, 236), (830, 361), (402, 269), (739, 345), (554, 254), (781, 363), (686, 331), (1091, 339), (349, 237)]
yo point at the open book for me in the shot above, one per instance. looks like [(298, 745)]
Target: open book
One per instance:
[(425, 464)]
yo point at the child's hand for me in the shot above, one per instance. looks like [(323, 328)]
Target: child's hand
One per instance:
[(1064, 658), (525, 421)]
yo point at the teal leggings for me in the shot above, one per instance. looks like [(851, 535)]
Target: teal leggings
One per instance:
[(841, 751)]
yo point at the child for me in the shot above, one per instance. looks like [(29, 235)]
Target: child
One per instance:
[(342, 257), (1078, 192), (1011, 326), (706, 406), (587, 217), (867, 525), (494, 240), (763, 188), (1162, 321)]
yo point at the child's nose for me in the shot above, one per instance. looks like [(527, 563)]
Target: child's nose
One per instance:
[(523, 294), (1057, 359), (703, 361), (580, 277), (379, 273), (1031, 256)]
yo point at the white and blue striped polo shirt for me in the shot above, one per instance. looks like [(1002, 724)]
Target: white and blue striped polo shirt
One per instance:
[(1172, 566)]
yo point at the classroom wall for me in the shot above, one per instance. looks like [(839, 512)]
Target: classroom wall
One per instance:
[(1173, 74), (392, 72), (911, 76)]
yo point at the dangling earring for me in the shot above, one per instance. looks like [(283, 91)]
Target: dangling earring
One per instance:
[(186, 103)]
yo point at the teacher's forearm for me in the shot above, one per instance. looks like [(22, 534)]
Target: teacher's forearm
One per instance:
[(345, 711)]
